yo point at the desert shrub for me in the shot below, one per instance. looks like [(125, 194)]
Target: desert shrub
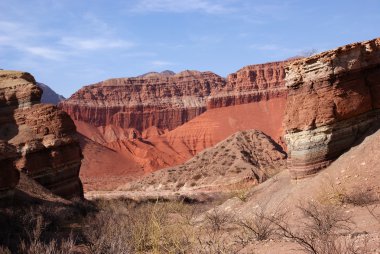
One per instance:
[(180, 185), (218, 219), (260, 225), (331, 193), (4, 250), (215, 242), (323, 229), (196, 177), (129, 228), (360, 197)]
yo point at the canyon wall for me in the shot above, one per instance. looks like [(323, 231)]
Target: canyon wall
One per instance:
[(167, 100), (252, 83), (333, 97), (161, 100), (159, 120), (37, 139)]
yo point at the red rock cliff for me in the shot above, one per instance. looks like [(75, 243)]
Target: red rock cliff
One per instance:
[(168, 101), (333, 98), (252, 83), (132, 115), (35, 138), (161, 100)]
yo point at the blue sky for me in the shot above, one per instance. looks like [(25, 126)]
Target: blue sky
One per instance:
[(67, 44)]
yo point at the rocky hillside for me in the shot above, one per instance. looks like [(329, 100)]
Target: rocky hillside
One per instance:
[(49, 96), (333, 98), (245, 157), (36, 139)]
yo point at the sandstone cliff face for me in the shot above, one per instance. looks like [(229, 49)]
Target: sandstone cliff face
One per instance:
[(36, 139), (161, 100), (252, 83), (333, 98), (167, 100)]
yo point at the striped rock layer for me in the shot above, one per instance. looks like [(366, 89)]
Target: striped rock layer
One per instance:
[(333, 98)]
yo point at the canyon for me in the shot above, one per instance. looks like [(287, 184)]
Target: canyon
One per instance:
[(314, 107), (161, 120), (247, 146)]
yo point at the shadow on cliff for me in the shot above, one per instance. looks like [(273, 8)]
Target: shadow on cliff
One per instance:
[(359, 89), (343, 140), (9, 129)]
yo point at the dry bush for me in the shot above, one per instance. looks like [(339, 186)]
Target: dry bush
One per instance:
[(210, 241), (218, 219), (261, 225), (331, 193), (65, 246), (129, 228), (323, 230), (360, 197), (4, 250), (37, 228)]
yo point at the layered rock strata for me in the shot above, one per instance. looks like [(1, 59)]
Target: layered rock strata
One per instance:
[(42, 137), (161, 100), (333, 98), (159, 120), (252, 83), (167, 100)]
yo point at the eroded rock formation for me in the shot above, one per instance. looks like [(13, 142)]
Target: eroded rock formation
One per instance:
[(252, 83), (333, 98), (159, 120), (36, 139), (161, 100)]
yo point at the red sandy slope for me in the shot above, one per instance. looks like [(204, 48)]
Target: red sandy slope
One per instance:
[(129, 158)]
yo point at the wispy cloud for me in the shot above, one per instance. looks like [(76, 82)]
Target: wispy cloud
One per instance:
[(207, 6), (44, 52), (95, 43), (33, 41)]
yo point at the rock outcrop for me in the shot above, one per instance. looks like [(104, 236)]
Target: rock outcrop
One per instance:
[(161, 100), (333, 98), (167, 100), (37, 139), (252, 83)]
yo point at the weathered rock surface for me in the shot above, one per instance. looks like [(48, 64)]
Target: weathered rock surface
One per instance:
[(247, 156), (161, 100), (252, 83), (333, 98), (38, 139), (160, 120)]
